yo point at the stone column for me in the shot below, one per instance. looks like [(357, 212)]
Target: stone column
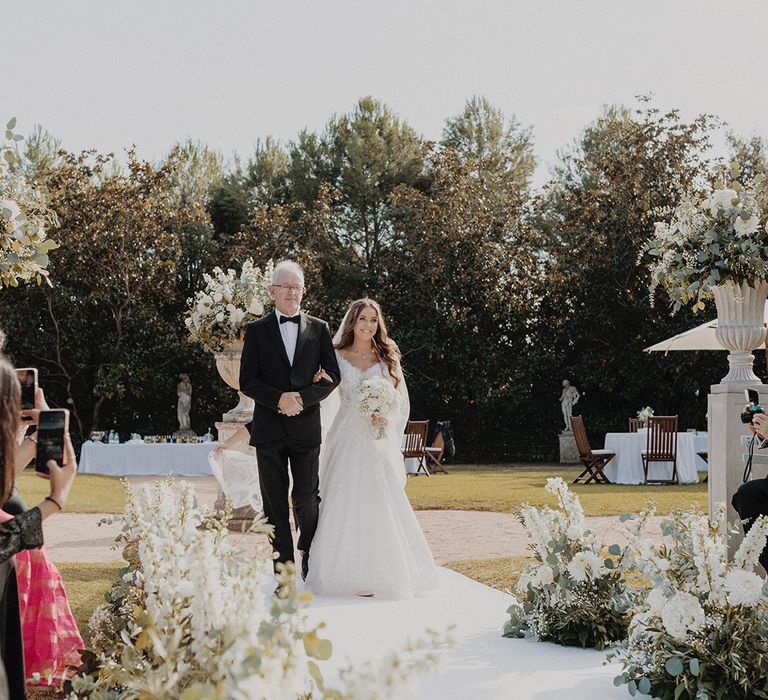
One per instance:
[(726, 466), (569, 454)]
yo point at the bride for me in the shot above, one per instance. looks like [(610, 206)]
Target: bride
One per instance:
[(368, 541)]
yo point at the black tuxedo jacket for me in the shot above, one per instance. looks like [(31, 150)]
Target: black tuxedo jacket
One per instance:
[(266, 373)]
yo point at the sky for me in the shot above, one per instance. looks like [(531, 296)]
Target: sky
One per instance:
[(104, 74)]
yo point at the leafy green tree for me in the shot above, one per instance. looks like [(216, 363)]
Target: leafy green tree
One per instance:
[(481, 134), (457, 289), (750, 153)]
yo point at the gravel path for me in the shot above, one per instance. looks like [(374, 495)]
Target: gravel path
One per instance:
[(452, 535)]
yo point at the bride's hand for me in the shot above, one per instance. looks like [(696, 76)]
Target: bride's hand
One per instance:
[(321, 374), (379, 421)]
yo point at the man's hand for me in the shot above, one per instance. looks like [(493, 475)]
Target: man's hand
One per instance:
[(290, 403), (760, 425)]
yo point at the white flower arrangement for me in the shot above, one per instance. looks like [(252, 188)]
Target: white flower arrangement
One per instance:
[(376, 397), (572, 595), (217, 315), (702, 630), (645, 413), (24, 221), (193, 618), (715, 237)]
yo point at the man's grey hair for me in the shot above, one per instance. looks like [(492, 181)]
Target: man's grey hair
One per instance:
[(287, 266)]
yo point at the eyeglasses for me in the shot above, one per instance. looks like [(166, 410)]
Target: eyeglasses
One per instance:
[(288, 288)]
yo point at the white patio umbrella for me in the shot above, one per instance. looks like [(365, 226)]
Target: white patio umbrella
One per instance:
[(699, 338)]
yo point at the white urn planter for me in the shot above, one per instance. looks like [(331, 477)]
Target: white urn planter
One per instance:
[(228, 364), (741, 327)]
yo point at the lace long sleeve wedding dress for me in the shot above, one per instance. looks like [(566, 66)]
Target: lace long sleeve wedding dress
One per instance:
[(368, 539)]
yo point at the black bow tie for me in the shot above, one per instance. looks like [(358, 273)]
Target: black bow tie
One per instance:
[(291, 319)]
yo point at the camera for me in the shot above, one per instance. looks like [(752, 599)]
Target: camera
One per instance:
[(754, 407)]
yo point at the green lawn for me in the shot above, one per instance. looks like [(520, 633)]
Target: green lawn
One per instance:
[(499, 573), (86, 585), (90, 493), (502, 490)]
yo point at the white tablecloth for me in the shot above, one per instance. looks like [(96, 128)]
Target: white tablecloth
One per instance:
[(627, 466), (146, 459)]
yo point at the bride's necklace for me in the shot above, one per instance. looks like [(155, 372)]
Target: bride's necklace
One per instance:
[(369, 356)]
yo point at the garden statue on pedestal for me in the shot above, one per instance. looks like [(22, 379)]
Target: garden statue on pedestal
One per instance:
[(184, 404), (568, 399)]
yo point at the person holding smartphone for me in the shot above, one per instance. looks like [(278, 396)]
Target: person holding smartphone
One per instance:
[(23, 531)]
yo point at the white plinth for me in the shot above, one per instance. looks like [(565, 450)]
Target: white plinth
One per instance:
[(569, 453), (726, 467)]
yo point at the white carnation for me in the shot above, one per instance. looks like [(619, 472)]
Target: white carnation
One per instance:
[(220, 316), (746, 228), (743, 587), (217, 297), (721, 199), (682, 613), (543, 576), (573, 533), (236, 316), (256, 308), (584, 565)]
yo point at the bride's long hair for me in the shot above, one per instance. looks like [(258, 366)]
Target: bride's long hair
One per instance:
[(384, 347)]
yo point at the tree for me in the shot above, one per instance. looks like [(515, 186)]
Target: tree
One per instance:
[(360, 158), (750, 153), (625, 173), (481, 134), (457, 289)]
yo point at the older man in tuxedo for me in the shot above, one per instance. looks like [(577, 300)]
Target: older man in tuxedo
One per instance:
[(281, 354)]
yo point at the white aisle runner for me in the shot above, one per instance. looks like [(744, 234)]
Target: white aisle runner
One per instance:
[(483, 665)]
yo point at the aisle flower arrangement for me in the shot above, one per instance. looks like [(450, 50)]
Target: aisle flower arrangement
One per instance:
[(192, 618), (701, 630), (572, 594), (216, 315), (716, 236)]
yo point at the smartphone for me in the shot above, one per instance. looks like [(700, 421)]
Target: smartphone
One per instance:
[(28, 380), (752, 396), (52, 426)]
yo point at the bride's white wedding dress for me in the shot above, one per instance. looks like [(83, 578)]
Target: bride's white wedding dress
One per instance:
[(368, 539)]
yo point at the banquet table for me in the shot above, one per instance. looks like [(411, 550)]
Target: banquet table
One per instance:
[(627, 466), (146, 459)]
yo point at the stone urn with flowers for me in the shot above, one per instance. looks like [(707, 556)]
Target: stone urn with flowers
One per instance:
[(216, 318), (716, 246)]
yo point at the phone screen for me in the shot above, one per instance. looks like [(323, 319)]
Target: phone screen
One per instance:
[(50, 439), (753, 396), (28, 381)]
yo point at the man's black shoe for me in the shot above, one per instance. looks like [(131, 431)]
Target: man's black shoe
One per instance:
[(278, 591), (304, 566)]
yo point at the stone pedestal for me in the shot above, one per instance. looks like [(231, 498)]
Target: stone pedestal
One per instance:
[(726, 467), (242, 518), (569, 453)]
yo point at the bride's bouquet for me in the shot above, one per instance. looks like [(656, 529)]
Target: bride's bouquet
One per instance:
[(376, 397)]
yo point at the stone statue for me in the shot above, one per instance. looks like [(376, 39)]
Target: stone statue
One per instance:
[(568, 399), (184, 392)]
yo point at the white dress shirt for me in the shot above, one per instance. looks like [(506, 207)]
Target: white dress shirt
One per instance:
[(290, 333)]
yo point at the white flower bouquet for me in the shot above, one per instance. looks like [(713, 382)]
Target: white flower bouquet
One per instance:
[(718, 236), (702, 629), (644, 414), (217, 314), (572, 594), (376, 397), (25, 218)]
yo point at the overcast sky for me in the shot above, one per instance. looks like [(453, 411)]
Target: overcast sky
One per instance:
[(103, 74)]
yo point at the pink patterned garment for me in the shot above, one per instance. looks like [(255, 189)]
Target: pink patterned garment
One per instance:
[(50, 634)]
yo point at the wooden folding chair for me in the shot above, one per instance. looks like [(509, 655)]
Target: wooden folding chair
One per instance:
[(435, 454), (634, 424), (661, 446), (594, 461), (415, 443)]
